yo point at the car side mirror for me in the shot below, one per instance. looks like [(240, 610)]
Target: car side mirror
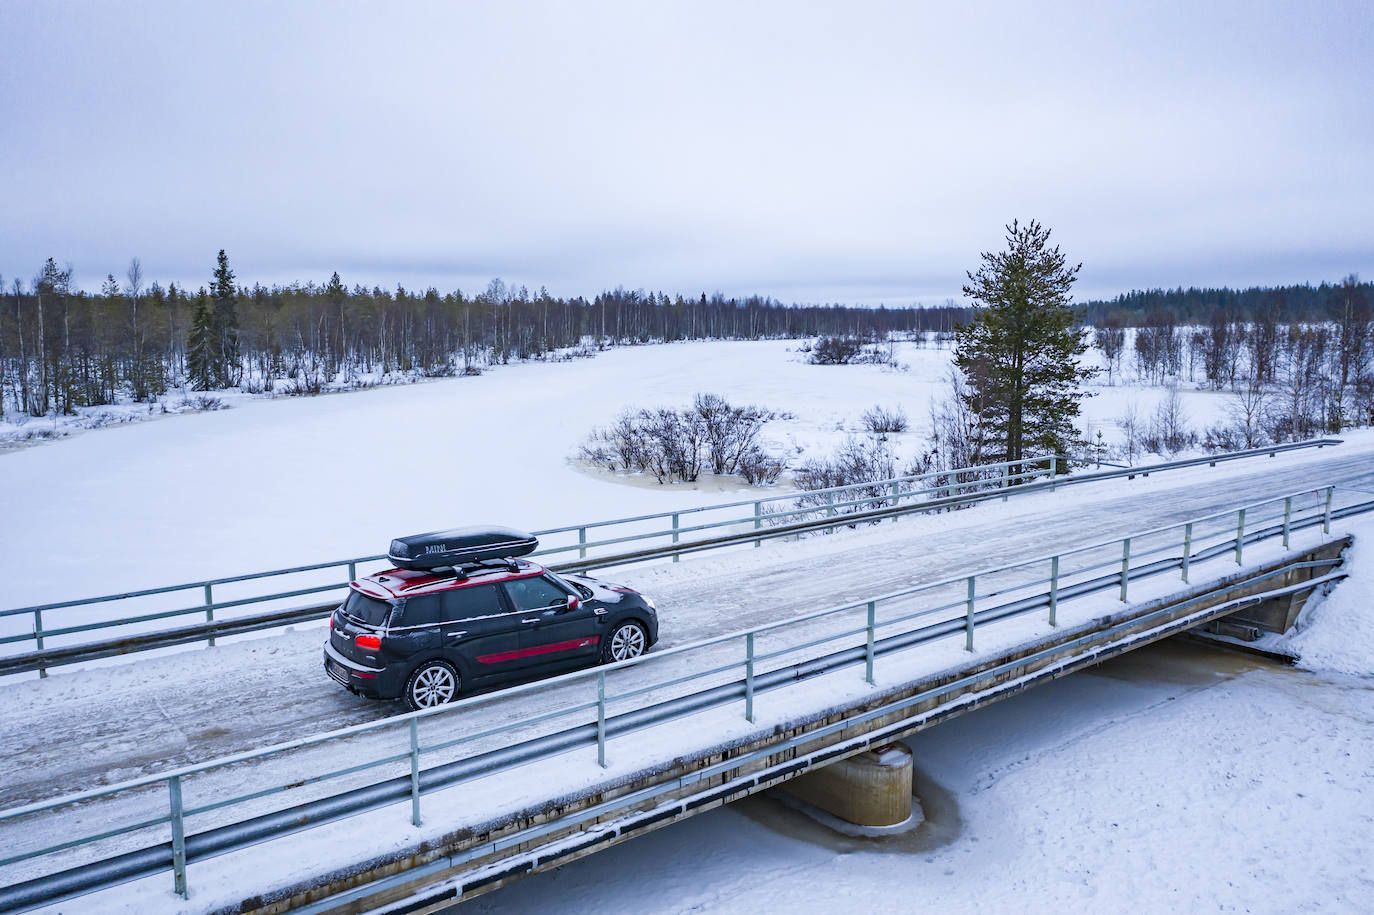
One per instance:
[(573, 602)]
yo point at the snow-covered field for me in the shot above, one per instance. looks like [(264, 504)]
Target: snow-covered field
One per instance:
[(272, 483)]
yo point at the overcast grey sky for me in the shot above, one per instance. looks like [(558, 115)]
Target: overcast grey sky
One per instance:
[(813, 152)]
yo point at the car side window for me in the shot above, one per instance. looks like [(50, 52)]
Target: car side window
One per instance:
[(474, 600), (421, 611), (535, 593)]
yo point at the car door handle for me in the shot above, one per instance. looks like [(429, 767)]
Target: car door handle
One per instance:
[(454, 635), (535, 620)]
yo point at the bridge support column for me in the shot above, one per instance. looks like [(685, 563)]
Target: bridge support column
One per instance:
[(872, 789)]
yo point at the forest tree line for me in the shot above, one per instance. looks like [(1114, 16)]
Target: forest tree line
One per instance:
[(62, 347), (1283, 304)]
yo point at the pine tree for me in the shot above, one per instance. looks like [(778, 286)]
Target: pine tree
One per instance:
[(1020, 354), (226, 324), (202, 346)]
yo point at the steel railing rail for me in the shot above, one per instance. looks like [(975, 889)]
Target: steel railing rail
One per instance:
[(961, 616), (999, 479)]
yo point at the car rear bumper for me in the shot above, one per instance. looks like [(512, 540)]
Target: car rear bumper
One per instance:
[(373, 682)]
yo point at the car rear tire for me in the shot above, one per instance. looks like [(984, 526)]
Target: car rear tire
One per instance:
[(432, 683), (627, 641)]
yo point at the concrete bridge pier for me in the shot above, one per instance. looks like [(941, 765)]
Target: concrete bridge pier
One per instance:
[(1277, 614), (870, 790)]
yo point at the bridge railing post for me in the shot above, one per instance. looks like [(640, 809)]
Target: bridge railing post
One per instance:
[(896, 497), (1187, 547), (758, 521), (582, 543), (1287, 516), (178, 836), (749, 677), (868, 647), (210, 611), (1326, 522), (1240, 535), (676, 556), (414, 773), (601, 718), (1054, 467), (38, 639), (1054, 589), (968, 618), (1125, 565)]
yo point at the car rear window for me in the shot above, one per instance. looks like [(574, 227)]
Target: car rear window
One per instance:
[(366, 609)]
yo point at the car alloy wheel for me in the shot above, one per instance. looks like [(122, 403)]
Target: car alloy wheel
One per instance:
[(627, 642), (431, 685)]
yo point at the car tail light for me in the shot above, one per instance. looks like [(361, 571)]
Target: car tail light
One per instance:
[(369, 642)]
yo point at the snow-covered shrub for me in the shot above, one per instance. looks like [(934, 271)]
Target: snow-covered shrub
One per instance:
[(677, 445), (880, 351), (729, 432), (859, 459), (880, 420), (1168, 432), (838, 350), (1221, 437), (201, 402), (1132, 430), (760, 468)]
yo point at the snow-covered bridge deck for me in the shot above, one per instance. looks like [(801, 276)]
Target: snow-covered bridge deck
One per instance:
[(698, 598)]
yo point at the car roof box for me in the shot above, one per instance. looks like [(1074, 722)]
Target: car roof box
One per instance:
[(459, 547)]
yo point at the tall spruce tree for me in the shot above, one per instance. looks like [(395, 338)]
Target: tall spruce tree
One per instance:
[(202, 346), (226, 323), (1020, 354)]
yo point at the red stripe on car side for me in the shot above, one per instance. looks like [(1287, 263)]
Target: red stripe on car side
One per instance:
[(538, 649)]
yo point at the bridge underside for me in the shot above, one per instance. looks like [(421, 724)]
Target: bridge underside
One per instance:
[(468, 863)]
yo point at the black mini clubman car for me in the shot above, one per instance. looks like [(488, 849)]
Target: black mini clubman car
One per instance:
[(462, 611)]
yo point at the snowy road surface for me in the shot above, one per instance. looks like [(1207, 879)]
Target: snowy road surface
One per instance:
[(80, 729)]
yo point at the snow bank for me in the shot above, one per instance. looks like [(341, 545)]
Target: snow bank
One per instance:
[(1335, 632)]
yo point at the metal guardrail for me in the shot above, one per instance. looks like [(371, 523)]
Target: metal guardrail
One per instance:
[(866, 501), (1106, 565)]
